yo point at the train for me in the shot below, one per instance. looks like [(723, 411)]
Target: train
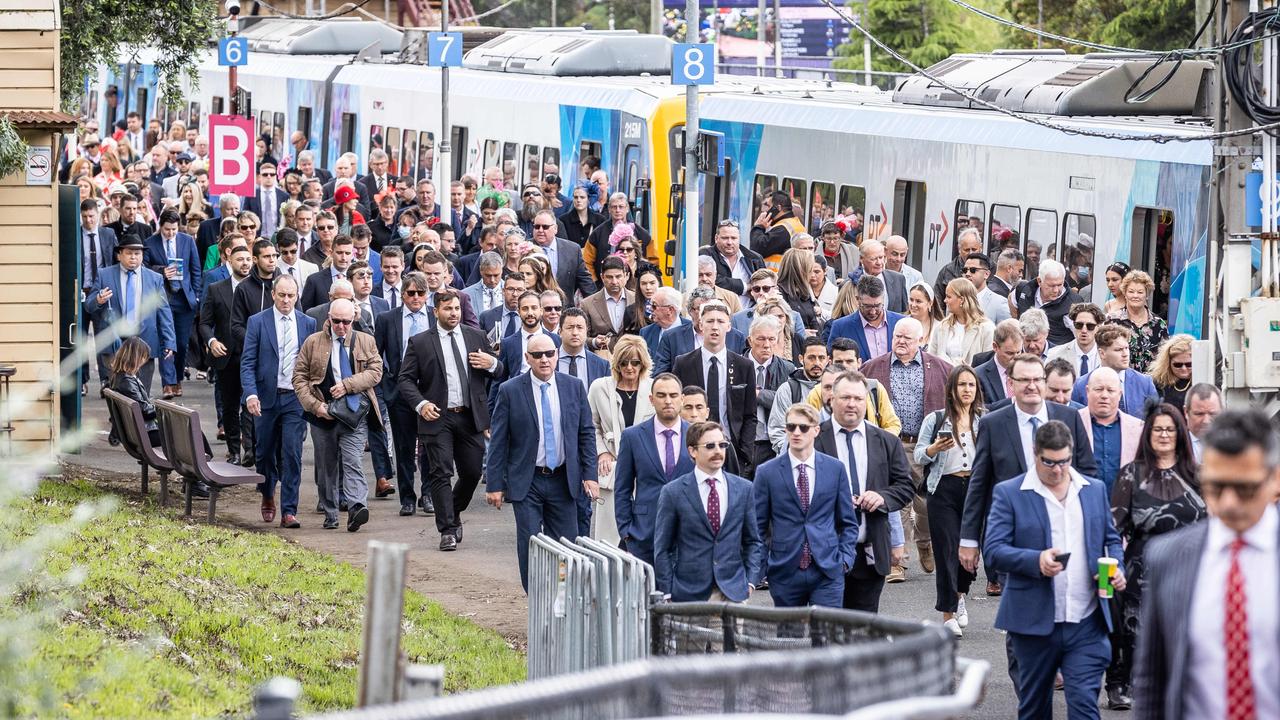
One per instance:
[(1054, 160)]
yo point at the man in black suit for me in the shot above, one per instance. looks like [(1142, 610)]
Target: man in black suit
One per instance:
[(505, 316), (994, 373), (734, 262), (565, 256), (881, 481), (316, 290), (769, 371), (729, 380), (345, 168), (377, 182), (266, 200), (223, 351), (129, 224), (443, 380), (1005, 451), (392, 331), (307, 166), (210, 231)]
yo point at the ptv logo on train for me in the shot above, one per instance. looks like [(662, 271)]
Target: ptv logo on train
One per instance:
[(231, 152)]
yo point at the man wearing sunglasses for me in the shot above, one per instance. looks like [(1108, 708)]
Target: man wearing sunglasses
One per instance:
[(566, 257), (977, 270), (1208, 646), (1113, 352), (1082, 352), (1048, 527)]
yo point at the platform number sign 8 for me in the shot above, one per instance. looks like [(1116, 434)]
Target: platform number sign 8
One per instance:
[(444, 49), (233, 51), (693, 64)]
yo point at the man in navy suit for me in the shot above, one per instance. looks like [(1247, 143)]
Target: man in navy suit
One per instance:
[(435, 268), (1046, 531), (666, 316), (1006, 344), (266, 200), (707, 539), (565, 256), (128, 291), (805, 507), (1004, 451), (392, 332), (316, 290), (1113, 352), (872, 326), (512, 351), (97, 251), (575, 359), (650, 455), (173, 254), (506, 316), (542, 450), (272, 340), (682, 339)]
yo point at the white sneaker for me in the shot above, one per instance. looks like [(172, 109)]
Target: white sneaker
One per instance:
[(954, 627), (962, 614)]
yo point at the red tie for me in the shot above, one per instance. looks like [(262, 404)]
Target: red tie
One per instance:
[(802, 486), (1235, 636), (713, 506)]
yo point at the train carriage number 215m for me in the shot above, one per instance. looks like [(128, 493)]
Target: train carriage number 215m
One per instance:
[(631, 130)]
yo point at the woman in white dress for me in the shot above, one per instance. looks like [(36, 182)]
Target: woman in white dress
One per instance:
[(617, 402)]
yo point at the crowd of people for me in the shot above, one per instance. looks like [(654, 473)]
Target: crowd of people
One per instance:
[(807, 416)]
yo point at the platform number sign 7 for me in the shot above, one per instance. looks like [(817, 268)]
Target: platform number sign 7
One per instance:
[(444, 49), (693, 64), (233, 51)]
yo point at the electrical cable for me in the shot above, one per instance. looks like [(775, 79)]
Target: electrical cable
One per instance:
[(1177, 55), (1243, 75)]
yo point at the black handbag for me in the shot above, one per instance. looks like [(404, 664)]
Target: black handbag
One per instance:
[(339, 409)]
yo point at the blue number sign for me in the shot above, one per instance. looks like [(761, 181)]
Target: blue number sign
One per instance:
[(233, 51), (693, 64), (444, 49)]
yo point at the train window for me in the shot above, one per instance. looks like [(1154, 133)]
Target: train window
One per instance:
[(853, 200), (277, 133), (764, 187), (630, 169), (969, 214), (551, 156), (141, 107), (458, 140), (532, 165), (347, 141), (1042, 239), (409, 155), (193, 121), (822, 205), (377, 137), (304, 121), (492, 153), (264, 123), (1005, 230), (796, 189), (216, 106), (509, 169), (1078, 236), (588, 148), (393, 150), (426, 155)]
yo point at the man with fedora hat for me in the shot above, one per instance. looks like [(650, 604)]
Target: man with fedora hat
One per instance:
[(133, 296)]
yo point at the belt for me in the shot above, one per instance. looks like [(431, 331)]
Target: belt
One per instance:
[(908, 438), (282, 391), (547, 471), (459, 409)]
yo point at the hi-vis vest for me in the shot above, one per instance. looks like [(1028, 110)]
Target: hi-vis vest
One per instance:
[(793, 225)]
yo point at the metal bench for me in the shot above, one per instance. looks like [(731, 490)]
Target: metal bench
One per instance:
[(131, 429), (184, 444)]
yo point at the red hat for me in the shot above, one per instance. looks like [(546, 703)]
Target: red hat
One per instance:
[(344, 195)]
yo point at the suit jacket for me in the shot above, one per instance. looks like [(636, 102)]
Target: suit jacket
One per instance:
[(999, 456), (850, 326), (207, 234), (216, 275), (315, 253), (494, 316), (895, 297), (154, 327), (215, 324), (1018, 531), (468, 311), (388, 334), (320, 314), (887, 472), (652, 333), (369, 185), (189, 288), (936, 371), (741, 321), (598, 322), (106, 241), (251, 296), (312, 366), (1161, 671), (378, 306), (990, 382), (724, 273), (598, 367), (260, 359), (977, 340), (362, 190), (515, 436), (571, 271), (830, 526), (690, 560), (253, 204), (316, 290), (679, 341), (1130, 434), (474, 294), (141, 230), (739, 400), (422, 377), (639, 476), (1138, 388)]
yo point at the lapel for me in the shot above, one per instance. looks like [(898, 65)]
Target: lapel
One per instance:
[(784, 474), (876, 458), (1042, 515), (650, 444), (1017, 436), (694, 496), (566, 407), (1183, 592), (271, 329), (526, 383)]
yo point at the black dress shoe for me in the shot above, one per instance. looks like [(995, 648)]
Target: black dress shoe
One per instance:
[(233, 458), (428, 507), (358, 516), (246, 458), (112, 439), (200, 490), (1118, 699), (330, 524), (407, 510), (342, 506), (448, 542), (457, 532)]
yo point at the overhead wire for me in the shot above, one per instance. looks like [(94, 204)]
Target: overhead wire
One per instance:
[(342, 10)]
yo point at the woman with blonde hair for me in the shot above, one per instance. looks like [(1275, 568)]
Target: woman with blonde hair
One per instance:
[(536, 269), (112, 170), (1171, 370), (192, 200), (1147, 329), (965, 331), (618, 401), (846, 301), (793, 283)]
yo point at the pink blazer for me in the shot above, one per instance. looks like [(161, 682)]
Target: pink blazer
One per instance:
[(1130, 434)]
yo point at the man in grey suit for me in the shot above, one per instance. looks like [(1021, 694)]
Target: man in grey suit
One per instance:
[(565, 256), (1212, 586), (706, 540), (895, 284)]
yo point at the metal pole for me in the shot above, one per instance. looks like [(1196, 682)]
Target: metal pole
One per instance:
[(380, 663), (777, 38), (655, 17), (553, 14), (441, 176), (1039, 22), (233, 77), (866, 42), (692, 223), (760, 46)]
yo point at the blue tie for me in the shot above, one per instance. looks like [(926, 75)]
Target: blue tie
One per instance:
[(344, 364), (130, 312), (549, 429), (1084, 365), (511, 324)]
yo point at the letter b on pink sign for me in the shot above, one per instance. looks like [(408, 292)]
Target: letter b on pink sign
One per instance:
[(231, 155)]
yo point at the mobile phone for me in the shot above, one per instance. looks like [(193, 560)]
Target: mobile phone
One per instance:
[(1062, 558), (944, 434)]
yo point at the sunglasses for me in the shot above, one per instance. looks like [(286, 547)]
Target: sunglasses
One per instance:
[(248, 227), (543, 227), (266, 174), (291, 251), (1085, 325), (1180, 365), (1054, 463), (627, 251), (326, 227), (541, 354), (972, 270), (530, 194), (552, 308), (762, 288), (1244, 491), (630, 363), (727, 223), (722, 445), (336, 321), (415, 293), (802, 427)]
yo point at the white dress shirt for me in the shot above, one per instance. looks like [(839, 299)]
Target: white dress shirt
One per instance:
[(1025, 433), (1074, 596), (562, 365), (391, 293), (722, 358), (288, 348), (455, 377), (795, 471), (860, 455), (1204, 695), (552, 393), (704, 491)]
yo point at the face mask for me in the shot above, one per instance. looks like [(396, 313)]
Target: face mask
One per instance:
[(1082, 272), (403, 232)]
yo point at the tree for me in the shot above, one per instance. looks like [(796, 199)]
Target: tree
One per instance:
[(98, 32), (923, 31), (1140, 24)]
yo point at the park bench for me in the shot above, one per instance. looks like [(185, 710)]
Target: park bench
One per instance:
[(131, 429), (184, 444)]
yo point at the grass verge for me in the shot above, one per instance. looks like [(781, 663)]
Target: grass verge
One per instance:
[(177, 619)]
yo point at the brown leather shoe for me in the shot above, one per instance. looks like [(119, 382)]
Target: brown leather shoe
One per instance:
[(177, 390), (168, 392), (289, 521), (268, 509), (384, 488), (897, 574), (994, 589), (926, 557)]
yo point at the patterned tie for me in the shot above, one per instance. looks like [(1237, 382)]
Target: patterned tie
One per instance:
[(286, 359), (549, 429), (713, 506), (1235, 637), (802, 486), (669, 461), (344, 364)]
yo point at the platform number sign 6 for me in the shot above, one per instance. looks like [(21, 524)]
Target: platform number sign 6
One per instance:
[(693, 64), (444, 49), (233, 51)]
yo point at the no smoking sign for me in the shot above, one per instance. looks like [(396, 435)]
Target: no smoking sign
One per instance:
[(39, 165)]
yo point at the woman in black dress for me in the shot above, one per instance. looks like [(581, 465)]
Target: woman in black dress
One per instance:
[(1156, 493)]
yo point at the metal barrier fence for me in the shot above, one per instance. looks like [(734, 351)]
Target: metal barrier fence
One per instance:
[(588, 606)]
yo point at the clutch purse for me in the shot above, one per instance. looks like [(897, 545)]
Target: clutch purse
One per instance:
[(339, 410)]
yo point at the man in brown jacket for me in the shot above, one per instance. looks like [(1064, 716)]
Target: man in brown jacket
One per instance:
[(339, 363)]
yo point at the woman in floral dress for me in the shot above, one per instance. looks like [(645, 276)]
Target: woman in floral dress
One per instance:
[(1149, 330)]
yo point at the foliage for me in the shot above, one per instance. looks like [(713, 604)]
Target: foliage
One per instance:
[(13, 150), (627, 15), (183, 619), (923, 31), (1142, 24), (103, 32)]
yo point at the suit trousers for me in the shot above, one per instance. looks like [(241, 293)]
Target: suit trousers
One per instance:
[(379, 445), (805, 587), (547, 507), (340, 459), (946, 507), (1080, 650), (456, 445), (228, 391), (280, 430), (410, 455), (183, 318), (862, 584), (915, 519), (584, 511)]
